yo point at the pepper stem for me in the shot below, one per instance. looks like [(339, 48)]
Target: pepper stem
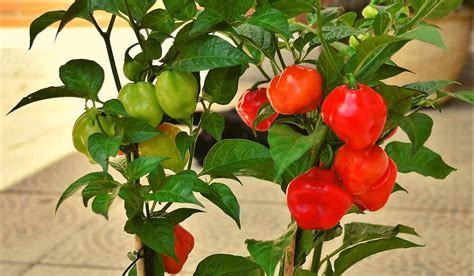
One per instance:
[(351, 81)]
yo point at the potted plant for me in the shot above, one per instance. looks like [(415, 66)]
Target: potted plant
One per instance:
[(327, 158)]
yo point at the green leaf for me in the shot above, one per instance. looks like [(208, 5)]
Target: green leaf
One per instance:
[(304, 246), (374, 52), (157, 233), (260, 38), (49, 93), (268, 253), (271, 20), (83, 75), (44, 21), (101, 146), (183, 143), (101, 204), (467, 96), (398, 188), (386, 71), (87, 179), (426, 33), (205, 21), (382, 23), (297, 168), (221, 84), (287, 146), (303, 272), (142, 166), (177, 188), (424, 161), (97, 188), (231, 155), (135, 130), (223, 197), (225, 265), (264, 171), (350, 256), (231, 9), (158, 20), (133, 201), (334, 33), (77, 9), (329, 270), (114, 107), (179, 215), (213, 123), (429, 87), (357, 232), (156, 178), (181, 9), (138, 8), (328, 73), (397, 98), (292, 8), (208, 52), (120, 164), (417, 126), (439, 8)]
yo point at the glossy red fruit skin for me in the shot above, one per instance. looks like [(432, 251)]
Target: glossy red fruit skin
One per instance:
[(248, 105), (357, 116), (183, 245), (316, 201), (360, 169), (297, 90), (377, 196)]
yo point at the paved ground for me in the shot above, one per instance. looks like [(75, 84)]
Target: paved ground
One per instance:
[(33, 241)]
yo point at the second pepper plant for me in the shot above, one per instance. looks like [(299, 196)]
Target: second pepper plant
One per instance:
[(327, 111)]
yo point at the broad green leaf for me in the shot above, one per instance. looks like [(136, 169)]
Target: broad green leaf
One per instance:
[(259, 37), (297, 168), (304, 246), (142, 166), (157, 233), (292, 8), (183, 143), (101, 147), (87, 179), (156, 178), (303, 272), (426, 33), (374, 52), (357, 232), (328, 72), (99, 187), (225, 265), (78, 9), (231, 9), (158, 20), (208, 52), (382, 23), (152, 49), (335, 33), (138, 8), (179, 215), (287, 146), (438, 8), (386, 71), (101, 204), (114, 107), (181, 9), (265, 111), (44, 21), (177, 188), (398, 188), (49, 93), (467, 96), (205, 21), (223, 197), (398, 99), (231, 155), (424, 161), (120, 164), (135, 130), (417, 126), (213, 123), (429, 87), (264, 171), (271, 20), (350, 256), (268, 253), (82, 75), (221, 84), (329, 271), (133, 201)]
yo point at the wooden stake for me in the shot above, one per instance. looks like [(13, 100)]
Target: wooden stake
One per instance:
[(140, 265), (290, 258)]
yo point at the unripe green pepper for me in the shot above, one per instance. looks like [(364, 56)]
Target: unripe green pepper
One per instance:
[(354, 41), (140, 102), (164, 145), (370, 12), (177, 93), (86, 125)]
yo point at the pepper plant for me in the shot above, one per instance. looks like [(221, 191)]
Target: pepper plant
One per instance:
[(327, 118)]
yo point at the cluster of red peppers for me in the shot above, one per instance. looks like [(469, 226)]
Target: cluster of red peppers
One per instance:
[(362, 173)]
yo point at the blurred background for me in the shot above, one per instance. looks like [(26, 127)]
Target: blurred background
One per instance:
[(37, 162)]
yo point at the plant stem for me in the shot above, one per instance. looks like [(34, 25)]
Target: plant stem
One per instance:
[(316, 256), (325, 45), (108, 45), (331, 255), (289, 266), (260, 68), (280, 56)]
